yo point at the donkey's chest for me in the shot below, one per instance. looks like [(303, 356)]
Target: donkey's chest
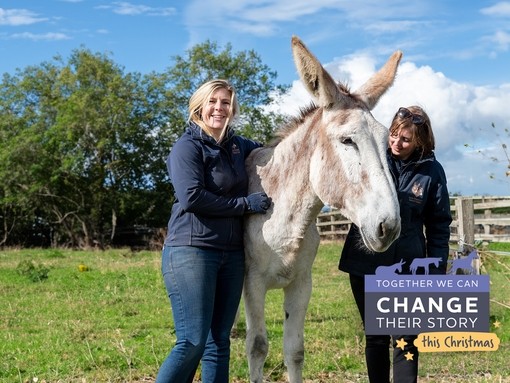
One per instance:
[(288, 267), (287, 256)]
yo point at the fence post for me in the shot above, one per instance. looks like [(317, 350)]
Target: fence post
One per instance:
[(466, 227)]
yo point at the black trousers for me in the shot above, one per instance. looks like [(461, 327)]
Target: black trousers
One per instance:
[(377, 347)]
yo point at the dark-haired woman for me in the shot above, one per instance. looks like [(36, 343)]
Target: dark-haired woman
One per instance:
[(425, 214)]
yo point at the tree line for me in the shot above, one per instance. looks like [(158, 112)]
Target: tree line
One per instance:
[(83, 144)]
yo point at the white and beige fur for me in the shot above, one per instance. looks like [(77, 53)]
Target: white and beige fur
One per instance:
[(333, 153)]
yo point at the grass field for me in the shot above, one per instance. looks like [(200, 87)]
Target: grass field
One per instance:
[(75, 316)]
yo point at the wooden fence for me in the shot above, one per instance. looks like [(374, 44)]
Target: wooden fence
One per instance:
[(474, 219)]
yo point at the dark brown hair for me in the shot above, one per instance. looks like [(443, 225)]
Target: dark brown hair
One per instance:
[(422, 134)]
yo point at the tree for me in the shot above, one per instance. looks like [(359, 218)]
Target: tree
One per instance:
[(254, 82), (79, 144), (502, 157), (83, 144)]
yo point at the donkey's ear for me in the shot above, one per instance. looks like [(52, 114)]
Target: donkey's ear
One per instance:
[(317, 81), (380, 82)]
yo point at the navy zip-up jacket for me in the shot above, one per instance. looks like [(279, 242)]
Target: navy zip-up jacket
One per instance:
[(425, 220), (210, 183)]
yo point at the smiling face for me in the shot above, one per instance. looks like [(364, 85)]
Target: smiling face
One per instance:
[(216, 112), (402, 144)]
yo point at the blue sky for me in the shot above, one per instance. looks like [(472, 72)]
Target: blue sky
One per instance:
[(456, 55)]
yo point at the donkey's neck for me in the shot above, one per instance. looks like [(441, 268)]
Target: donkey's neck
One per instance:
[(286, 177)]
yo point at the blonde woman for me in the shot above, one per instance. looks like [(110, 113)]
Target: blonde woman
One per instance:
[(203, 256)]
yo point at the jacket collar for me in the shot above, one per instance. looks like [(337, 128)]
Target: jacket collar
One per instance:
[(415, 158), (197, 133)]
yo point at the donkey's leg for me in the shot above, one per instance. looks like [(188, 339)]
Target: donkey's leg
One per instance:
[(297, 297), (257, 345)]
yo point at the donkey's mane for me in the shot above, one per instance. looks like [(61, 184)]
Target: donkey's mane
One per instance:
[(290, 125)]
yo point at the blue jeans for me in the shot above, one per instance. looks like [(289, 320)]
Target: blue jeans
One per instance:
[(204, 287)]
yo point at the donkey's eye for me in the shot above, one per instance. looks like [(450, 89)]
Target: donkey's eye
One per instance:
[(347, 141)]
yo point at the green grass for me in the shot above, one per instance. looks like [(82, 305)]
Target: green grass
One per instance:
[(113, 323), (499, 246)]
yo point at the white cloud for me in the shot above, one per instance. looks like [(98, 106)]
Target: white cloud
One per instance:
[(501, 9), (259, 18), (129, 9), (393, 26), (460, 114), (15, 17), (502, 39), (50, 36)]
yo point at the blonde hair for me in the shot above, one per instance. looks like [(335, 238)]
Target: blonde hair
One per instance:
[(202, 95)]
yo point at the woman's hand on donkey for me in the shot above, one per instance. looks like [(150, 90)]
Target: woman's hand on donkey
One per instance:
[(257, 203)]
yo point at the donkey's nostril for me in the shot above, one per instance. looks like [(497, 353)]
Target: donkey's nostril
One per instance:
[(382, 230)]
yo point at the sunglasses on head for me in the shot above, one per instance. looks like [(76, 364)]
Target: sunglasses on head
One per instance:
[(405, 113)]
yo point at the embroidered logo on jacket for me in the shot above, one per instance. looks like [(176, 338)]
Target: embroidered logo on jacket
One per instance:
[(417, 190), (235, 149)]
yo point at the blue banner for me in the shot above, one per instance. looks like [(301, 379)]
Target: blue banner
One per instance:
[(413, 304)]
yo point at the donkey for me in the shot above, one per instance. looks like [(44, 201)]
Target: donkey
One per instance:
[(423, 262), (464, 263), (334, 153), (389, 270)]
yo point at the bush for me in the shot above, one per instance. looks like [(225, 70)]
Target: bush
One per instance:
[(36, 273)]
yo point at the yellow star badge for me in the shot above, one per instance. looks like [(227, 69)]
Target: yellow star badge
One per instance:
[(409, 356), (401, 343), (497, 324)]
